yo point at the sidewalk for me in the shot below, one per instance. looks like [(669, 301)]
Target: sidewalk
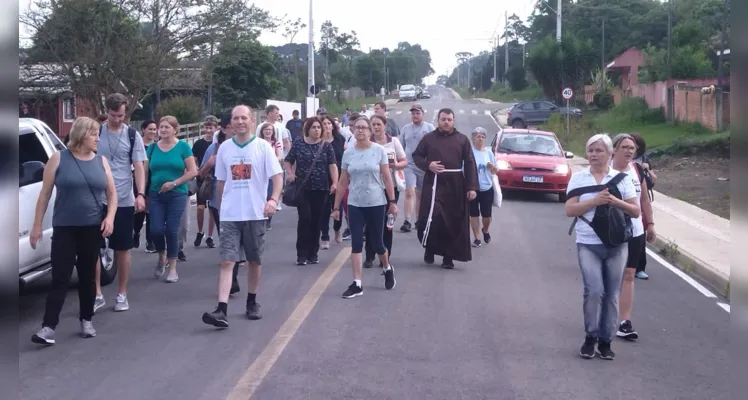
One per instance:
[(697, 240)]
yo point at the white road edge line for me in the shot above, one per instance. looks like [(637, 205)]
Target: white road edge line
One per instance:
[(724, 306), (681, 274)]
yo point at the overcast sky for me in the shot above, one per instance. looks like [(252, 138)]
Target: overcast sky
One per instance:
[(442, 28)]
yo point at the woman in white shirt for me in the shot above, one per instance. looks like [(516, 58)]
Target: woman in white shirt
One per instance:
[(624, 151), (481, 205), (602, 267), (397, 161)]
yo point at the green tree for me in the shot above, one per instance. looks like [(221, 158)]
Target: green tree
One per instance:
[(517, 78), (555, 65), (244, 72), (186, 109)]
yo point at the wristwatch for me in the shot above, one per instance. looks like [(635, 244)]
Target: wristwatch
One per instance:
[(392, 201), (174, 183), (141, 194)]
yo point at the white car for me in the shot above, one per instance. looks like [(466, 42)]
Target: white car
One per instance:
[(36, 144), (408, 93)]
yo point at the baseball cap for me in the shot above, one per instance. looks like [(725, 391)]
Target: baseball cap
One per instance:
[(416, 107), (321, 110)]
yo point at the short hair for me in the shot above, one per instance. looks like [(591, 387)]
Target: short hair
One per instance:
[(171, 120), (308, 124), (146, 123), (477, 131), (617, 139), (102, 118), (447, 111), (81, 127), (600, 137), (381, 104), (211, 119), (271, 108), (114, 101), (295, 112), (381, 118)]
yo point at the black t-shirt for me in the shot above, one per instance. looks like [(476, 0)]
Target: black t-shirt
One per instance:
[(294, 127), (199, 148), (302, 154)]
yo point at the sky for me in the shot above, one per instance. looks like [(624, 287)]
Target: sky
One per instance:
[(465, 25)]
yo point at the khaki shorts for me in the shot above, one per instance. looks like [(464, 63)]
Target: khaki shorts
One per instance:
[(242, 240)]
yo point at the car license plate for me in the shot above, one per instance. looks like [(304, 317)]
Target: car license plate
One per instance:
[(532, 179)]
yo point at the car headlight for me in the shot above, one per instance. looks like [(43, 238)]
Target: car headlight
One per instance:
[(562, 169), (503, 165)]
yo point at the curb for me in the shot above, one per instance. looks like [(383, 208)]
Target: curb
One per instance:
[(693, 266)]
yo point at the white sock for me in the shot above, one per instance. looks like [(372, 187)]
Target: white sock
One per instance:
[(387, 268), (357, 282)]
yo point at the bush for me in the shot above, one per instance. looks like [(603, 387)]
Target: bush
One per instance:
[(603, 101), (517, 78), (186, 109), (633, 111)]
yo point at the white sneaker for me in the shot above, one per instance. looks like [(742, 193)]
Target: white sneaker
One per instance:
[(121, 303)]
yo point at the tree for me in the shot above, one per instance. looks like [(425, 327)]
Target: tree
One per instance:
[(244, 72), (516, 78), (516, 30), (557, 65)]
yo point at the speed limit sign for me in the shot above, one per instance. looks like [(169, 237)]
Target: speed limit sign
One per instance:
[(567, 93)]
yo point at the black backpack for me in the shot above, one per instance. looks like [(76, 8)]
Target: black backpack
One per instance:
[(611, 224)]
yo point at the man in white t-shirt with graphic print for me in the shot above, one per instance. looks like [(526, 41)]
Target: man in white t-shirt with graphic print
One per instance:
[(244, 165)]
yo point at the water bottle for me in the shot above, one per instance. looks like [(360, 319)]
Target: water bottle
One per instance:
[(390, 221)]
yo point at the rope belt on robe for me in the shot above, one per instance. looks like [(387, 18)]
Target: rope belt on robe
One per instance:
[(433, 200)]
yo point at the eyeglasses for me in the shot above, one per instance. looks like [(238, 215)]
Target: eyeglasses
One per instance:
[(362, 128)]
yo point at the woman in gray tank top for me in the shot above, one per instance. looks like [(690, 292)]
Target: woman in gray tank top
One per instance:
[(83, 181)]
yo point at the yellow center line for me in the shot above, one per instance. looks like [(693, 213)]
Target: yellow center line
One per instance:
[(259, 369)]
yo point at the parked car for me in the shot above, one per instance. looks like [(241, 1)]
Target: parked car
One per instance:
[(537, 112), (532, 160), (36, 144), (408, 93)]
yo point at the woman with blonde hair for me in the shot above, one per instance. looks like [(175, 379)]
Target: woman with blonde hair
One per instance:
[(83, 180), (171, 166)]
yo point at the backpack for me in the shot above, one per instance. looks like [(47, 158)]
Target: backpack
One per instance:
[(131, 132), (611, 224), (642, 177)]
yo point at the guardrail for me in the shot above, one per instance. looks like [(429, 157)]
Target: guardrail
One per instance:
[(190, 132)]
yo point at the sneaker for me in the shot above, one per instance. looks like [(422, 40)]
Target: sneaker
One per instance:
[(642, 275), (253, 311), (626, 331), (368, 263), (603, 349), (173, 277), (199, 239), (160, 269), (150, 247), (347, 234), (406, 227), (476, 243), (121, 303), (46, 336), (353, 291), (235, 286), (428, 258), (447, 263), (300, 261), (338, 237), (87, 329), (136, 241), (588, 348), (99, 302), (210, 243), (389, 278), (181, 256), (312, 260), (325, 245), (487, 237), (216, 318)]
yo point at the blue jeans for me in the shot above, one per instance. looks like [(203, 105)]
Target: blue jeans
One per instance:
[(166, 211), (602, 274)]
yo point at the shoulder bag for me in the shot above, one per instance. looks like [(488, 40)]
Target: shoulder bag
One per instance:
[(106, 256), (293, 192)]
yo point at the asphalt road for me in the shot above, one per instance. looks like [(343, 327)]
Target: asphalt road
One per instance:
[(508, 325)]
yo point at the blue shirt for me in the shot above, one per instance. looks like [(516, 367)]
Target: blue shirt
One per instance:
[(211, 150), (482, 158)]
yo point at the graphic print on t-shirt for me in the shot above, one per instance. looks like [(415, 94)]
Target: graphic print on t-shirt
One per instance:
[(241, 173)]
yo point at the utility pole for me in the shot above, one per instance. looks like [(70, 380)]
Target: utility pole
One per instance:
[(669, 36), (495, 50), (506, 48), (523, 54), (720, 87), (310, 62), (602, 58), (558, 22)]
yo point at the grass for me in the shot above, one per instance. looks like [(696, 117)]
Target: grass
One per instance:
[(336, 108), (633, 115)]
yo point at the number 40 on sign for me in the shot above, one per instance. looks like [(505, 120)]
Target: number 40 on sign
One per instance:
[(567, 93)]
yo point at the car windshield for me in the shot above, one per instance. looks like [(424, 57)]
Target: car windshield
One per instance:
[(407, 87), (528, 143)]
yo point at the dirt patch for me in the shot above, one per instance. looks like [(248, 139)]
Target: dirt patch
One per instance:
[(696, 180)]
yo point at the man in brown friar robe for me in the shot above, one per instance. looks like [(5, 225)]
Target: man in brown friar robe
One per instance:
[(446, 156)]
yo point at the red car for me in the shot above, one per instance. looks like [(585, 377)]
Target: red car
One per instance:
[(532, 160)]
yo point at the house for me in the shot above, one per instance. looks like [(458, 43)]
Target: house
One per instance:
[(627, 64)]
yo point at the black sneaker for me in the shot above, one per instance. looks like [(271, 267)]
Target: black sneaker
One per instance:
[(150, 247), (487, 237), (210, 243), (428, 258), (216, 318), (389, 278), (476, 243), (588, 348), (603, 349), (626, 331), (353, 291), (368, 263), (199, 239), (235, 286), (181, 256), (347, 234), (300, 261), (406, 227), (312, 260), (447, 263), (136, 241), (253, 311)]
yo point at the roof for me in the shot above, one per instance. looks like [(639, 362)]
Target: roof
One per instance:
[(629, 58), (527, 131)]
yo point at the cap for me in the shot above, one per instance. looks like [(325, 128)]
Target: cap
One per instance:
[(321, 110), (416, 107)]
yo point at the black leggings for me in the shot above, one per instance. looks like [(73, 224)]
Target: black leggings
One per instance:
[(373, 219), (138, 220), (307, 228), (325, 222), (73, 247), (386, 234)]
